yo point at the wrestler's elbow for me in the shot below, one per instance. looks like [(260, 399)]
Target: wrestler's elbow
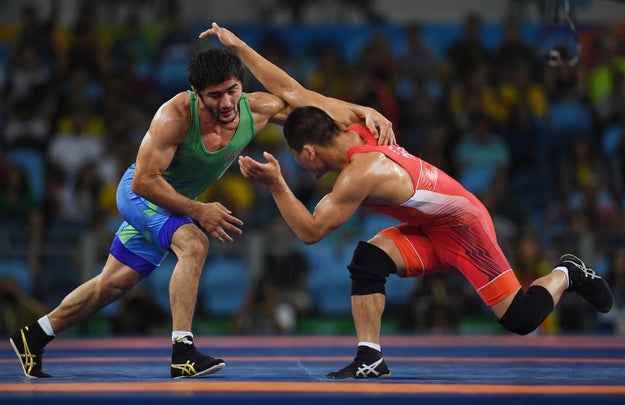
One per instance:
[(139, 186), (309, 240), (312, 236)]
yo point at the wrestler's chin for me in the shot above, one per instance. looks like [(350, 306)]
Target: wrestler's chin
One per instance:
[(227, 118)]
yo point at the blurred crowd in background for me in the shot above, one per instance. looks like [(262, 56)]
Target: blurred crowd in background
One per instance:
[(543, 147)]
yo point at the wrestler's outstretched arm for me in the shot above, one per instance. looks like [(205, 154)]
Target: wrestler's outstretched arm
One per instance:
[(279, 83)]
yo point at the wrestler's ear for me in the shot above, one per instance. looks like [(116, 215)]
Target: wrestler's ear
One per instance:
[(309, 152)]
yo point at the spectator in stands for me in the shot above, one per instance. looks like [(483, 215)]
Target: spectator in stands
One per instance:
[(370, 91), (39, 33), (418, 62), (78, 199), (613, 150), (569, 116), (468, 51), (588, 186), (135, 91), (16, 306), (476, 94), (29, 77), (78, 139), (610, 105), (514, 53), (377, 59), (436, 305), (17, 200), (86, 48), (480, 154), (26, 127), (418, 88), (525, 137), (133, 44), (611, 61), (234, 192), (79, 85), (279, 295), (138, 314), (330, 74), (509, 215), (175, 42), (420, 115), (276, 49)]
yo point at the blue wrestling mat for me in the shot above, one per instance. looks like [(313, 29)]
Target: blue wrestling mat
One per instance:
[(288, 370)]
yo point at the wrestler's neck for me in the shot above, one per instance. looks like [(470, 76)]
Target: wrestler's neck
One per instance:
[(335, 154)]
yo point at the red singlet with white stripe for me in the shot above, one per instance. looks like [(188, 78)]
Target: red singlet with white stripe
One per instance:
[(444, 226)]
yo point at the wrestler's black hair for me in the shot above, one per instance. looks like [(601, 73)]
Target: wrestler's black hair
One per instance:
[(309, 125), (214, 66)]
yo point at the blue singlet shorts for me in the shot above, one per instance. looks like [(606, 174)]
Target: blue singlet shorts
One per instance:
[(143, 239)]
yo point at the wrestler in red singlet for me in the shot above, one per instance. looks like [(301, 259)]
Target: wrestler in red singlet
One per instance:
[(444, 226)]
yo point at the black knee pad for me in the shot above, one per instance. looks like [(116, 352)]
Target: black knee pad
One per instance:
[(528, 310), (369, 268)]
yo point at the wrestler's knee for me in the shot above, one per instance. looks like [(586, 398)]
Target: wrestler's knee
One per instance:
[(198, 246), (527, 310), (369, 268), (388, 245), (190, 242)]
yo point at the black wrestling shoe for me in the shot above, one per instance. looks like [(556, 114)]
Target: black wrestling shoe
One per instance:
[(587, 283), (187, 362), (368, 363), (28, 344)]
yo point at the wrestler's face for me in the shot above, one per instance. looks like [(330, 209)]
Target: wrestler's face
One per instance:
[(222, 100)]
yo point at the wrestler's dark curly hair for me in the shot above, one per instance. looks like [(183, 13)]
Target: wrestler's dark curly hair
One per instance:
[(213, 66)]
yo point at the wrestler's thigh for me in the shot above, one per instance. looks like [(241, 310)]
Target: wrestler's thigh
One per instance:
[(118, 274), (411, 249)]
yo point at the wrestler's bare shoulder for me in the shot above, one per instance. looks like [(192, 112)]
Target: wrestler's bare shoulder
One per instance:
[(390, 184), (172, 119), (179, 103)]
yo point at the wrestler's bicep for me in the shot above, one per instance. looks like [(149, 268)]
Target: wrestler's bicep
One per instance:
[(338, 206), (160, 142)]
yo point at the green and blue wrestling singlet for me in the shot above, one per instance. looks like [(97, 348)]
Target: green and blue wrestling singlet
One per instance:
[(143, 239)]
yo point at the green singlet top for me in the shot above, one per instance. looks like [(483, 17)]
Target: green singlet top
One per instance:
[(194, 168)]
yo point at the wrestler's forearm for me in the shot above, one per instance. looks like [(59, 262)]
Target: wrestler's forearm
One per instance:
[(159, 192), (295, 213), (272, 77)]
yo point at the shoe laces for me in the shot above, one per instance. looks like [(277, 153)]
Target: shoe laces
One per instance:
[(588, 272)]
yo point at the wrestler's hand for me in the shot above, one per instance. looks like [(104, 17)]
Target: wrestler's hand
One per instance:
[(379, 126), (268, 173), (218, 222), (225, 36)]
